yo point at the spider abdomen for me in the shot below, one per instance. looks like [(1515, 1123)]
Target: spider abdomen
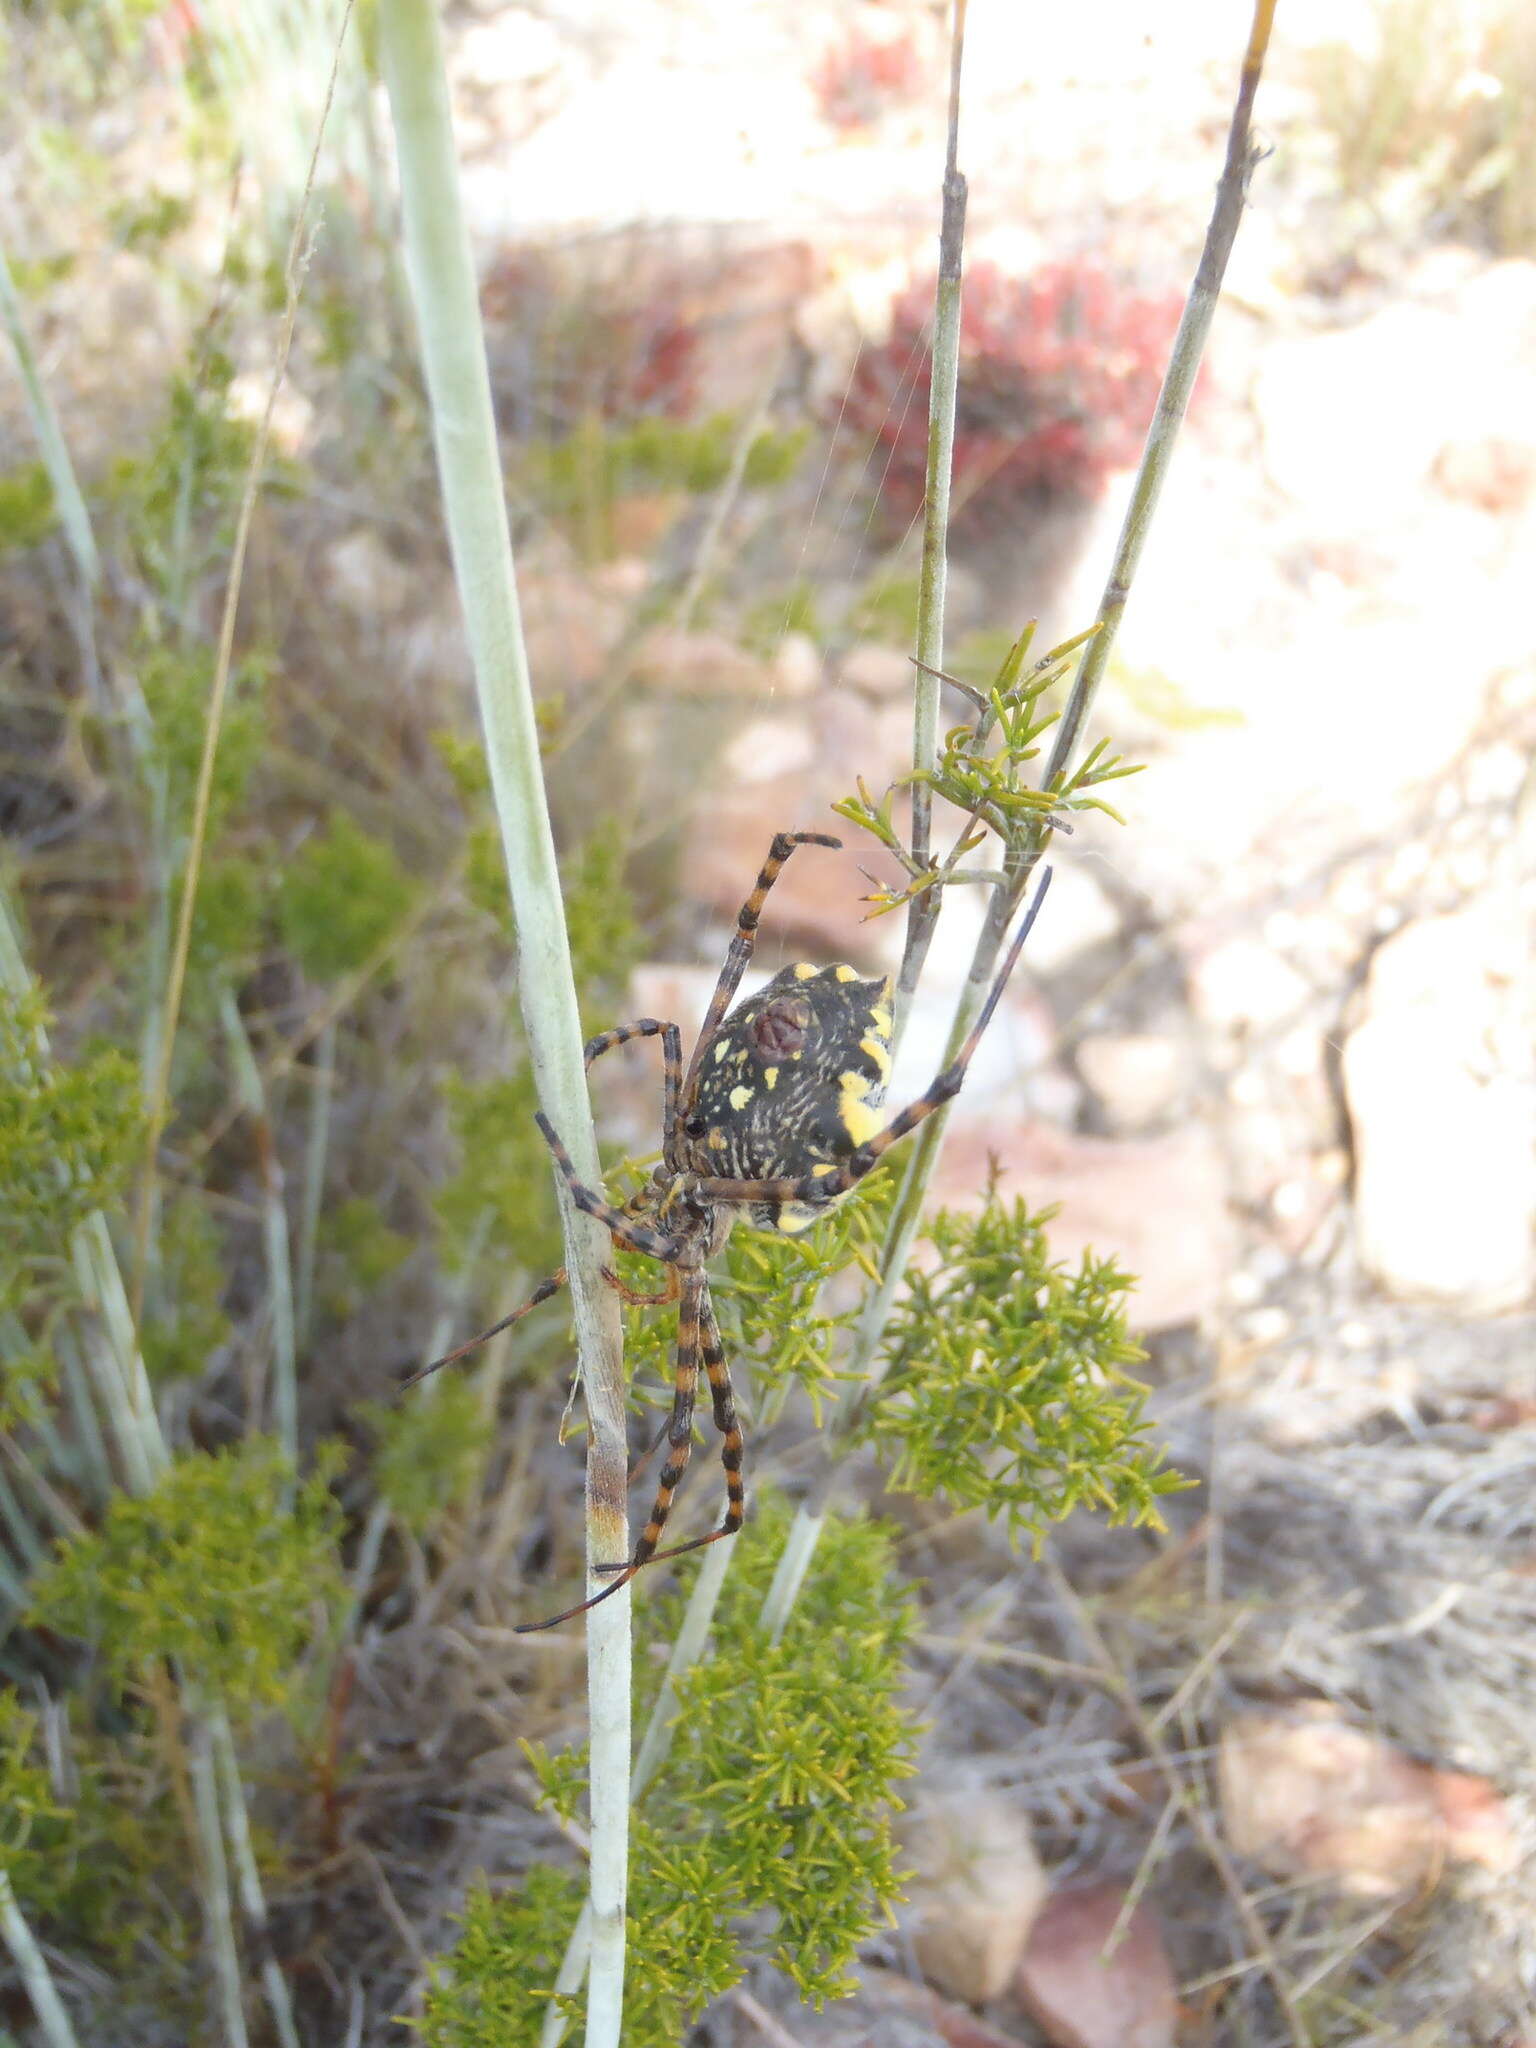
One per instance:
[(792, 1083)]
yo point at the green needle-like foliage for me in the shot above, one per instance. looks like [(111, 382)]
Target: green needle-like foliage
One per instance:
[(428, 1451), (360, 1251), (32, 1823), (984, 769), (502, 1198), (177, 684), (1007, 1387), (767, 1832), (781, 1328), (773, 1300), (342, 895), (68, 1135), (185, 1322), (216, 1567), (794, 1750)]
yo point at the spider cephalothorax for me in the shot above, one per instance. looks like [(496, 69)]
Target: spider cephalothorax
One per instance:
[(777, 1118)]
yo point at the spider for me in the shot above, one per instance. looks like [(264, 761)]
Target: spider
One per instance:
[(777, 1118)]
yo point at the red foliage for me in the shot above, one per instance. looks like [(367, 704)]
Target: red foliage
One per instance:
[(862, 75), (1059, 374), (615, 346)]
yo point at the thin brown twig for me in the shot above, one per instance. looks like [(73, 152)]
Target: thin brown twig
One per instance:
[(159, 1094)]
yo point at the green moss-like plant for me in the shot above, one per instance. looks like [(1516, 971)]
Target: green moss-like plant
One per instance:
[(185, 1323), (766, 1833), (1007, 1387), (67, 1135), (341, 896), (428, 1452), (222, 1566)]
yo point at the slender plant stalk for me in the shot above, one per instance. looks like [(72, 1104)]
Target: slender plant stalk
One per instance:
[(442, 275), (253, 1904), (115, 1368), (159, 1092), (67, 496), (655, 1746), (316, 1145), (82, 1409), (944, 381), (274, 1223), (1178, 382), (36, 1977), (218, 1914)]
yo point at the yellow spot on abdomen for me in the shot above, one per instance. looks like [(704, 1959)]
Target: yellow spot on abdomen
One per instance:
[(721, 1050), (879, 1052), (740, 1097), (770, 1077), (846, 973), (860, 1121)]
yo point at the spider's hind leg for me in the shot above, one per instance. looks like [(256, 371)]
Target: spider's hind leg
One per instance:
[(679, 1449)]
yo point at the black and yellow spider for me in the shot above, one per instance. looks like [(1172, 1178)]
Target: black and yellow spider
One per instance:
[(777, 1117)]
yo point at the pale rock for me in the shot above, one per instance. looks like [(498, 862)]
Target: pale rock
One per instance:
[(1136, 1076), (1442, 1098), (1084, 1993), (700, 664), (1077, 914), (768, 747), (1307, 1795), (1243, 982), (1494, 474), (977, 1890), (876, 671), (797, 666)]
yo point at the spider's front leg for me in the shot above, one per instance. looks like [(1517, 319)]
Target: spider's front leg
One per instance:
[(638, 1236)]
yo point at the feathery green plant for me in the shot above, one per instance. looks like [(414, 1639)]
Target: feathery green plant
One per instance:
[(224, 1566), (766, 1832), (1005, 1385)]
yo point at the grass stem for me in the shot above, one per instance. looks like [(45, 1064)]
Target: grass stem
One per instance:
[(444, 290)]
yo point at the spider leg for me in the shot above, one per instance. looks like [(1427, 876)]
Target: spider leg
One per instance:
[(638, 1236), (541, 1293), (745, 936), (731, 1447), (829, 1182), (633, 1298), (671, 1054), (679, 1450)]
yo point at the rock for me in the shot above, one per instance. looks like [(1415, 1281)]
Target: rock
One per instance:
[(1136, 1076), (1085, 1995), (1158, 1205), (698, 664), (817, 901), (1077, 914), (1441, 1089), (1494, 474), (797, 666), (1243, 983), (879, 672), (978, 1887), (769, 747), (1307, 1795)]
